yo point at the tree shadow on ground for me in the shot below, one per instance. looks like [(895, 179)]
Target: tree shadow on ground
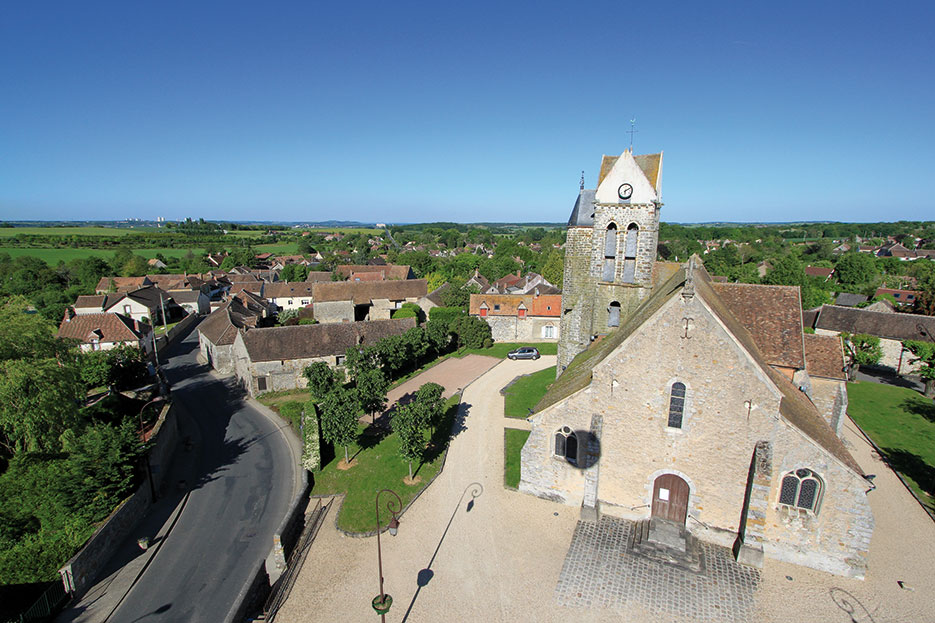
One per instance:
[(886, 376), (917, 407), (914, 467), (370, 438)]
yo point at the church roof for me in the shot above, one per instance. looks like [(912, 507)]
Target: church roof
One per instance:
[(794, 407), (650, 165), (583, 213)]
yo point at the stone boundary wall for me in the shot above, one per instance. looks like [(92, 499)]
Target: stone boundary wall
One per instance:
[(182, 327), (80, 572), (251, 597)]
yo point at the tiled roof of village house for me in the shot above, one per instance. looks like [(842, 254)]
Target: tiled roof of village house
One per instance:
[(848, 299), (282, 289), (90, 300), (170, 282), (392, 271), (824, 356), (363, 292), (374, 276), (121, 284), (773, 315), (106, 327), (818, 271), (186, 296), (317, 275), (436, 295), (509, 304), (886, 325), (221, 325), (794, 407), (319, 340)]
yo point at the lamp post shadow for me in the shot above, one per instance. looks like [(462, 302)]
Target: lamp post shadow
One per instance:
[(425, 575)]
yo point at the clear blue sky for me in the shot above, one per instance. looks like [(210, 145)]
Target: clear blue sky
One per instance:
[(399, 112)]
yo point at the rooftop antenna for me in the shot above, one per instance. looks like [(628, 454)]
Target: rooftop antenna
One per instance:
[(582, 180), (631, 132)]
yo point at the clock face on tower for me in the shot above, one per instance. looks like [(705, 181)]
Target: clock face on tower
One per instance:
[(625, 191)]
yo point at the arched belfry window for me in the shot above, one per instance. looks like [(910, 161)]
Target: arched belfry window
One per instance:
[(629, 254), (566, 445), (613, 314), (801, 489), (676, 404), (610, 253)]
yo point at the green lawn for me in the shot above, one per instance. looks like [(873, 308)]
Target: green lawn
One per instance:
[(279, 248), (523, 393), (9, 232), (902, 423), (513, 441), (379, 466)]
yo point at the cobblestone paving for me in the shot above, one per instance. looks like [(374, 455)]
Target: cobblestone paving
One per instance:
[(599, 571)]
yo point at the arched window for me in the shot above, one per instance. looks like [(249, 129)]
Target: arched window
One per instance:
[(610, 253), (676, 404), (629, 254), (613, 314), (566, 445), (801, 489)]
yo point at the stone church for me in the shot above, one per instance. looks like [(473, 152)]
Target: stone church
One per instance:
[(699, 409)]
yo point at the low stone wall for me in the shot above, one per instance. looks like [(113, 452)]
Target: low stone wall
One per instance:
[(80, 572), (173, 335), (252, 597)]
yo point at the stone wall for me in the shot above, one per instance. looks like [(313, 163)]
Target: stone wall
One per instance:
[(279, 375), (516, 329), (219, 357), (711, 451), (830, 397), (895, 357), (575, 328), (334, 311)]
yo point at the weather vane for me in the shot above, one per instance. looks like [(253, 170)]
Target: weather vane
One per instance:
[(632, 131), (582, 180)]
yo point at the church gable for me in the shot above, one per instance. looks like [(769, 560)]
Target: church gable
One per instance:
[(625, 170)]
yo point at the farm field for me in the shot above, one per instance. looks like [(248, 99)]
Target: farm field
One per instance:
[(54, 256), (9, 232)]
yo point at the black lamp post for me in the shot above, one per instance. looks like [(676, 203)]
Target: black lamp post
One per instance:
[(382, 602)]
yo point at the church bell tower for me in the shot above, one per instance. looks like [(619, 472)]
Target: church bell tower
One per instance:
[(610, 250)]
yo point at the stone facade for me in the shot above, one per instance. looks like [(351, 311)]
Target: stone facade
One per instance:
[(734, 404), (527, 329), (334, 311), (610, 251), (269, 376), (895, 357)]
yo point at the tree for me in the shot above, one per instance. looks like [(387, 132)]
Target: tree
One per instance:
[(862, 350), (787, 271), (371, 390), (856, 269), (408, 424), (339, 412), (472, 332), (925, 355), (554, 267), (38, 402), (431, 404), (321, 379)]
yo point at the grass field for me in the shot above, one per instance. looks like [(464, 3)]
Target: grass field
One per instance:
[(54, 256), (377, 466), (9, 232), (902, 423), (513, 442), (501, 349), (279, 248), (523, 394)]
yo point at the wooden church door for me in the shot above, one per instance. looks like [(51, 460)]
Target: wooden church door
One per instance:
[(670, 498)]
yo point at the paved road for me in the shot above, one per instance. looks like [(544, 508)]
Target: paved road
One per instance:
[(244, 482)]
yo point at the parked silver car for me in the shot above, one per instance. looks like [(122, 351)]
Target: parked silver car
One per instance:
[(526, 352)]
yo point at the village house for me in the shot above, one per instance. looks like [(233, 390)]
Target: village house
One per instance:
[(145, 304), (275, 358), (902, 297), (103, 331), (891, 328), (121, 284), (519, 317), (350, 301), (690, 406), (217, 332), (288, 295), (386, 271)]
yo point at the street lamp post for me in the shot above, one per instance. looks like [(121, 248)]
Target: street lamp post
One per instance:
[(382, 602)]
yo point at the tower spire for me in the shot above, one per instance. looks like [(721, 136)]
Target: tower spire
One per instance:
[(582, 181)]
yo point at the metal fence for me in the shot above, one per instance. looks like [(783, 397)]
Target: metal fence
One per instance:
[(47, 604)]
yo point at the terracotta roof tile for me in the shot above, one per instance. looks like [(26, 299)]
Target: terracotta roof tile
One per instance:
[(824, 356), (363, 292), (773, 315), (107, 327), (319, 340), (392, 271)]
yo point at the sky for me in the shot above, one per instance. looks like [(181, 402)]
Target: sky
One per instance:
[(468, 112)]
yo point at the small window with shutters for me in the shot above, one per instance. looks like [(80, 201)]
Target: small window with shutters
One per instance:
[(676, 404)]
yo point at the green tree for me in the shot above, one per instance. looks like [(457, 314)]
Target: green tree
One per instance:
[(321, 379), (863, 350), (407, 422), (371, 390), (430, 403), (339, 413), (553, 268), (472, 332), (856, 269), (925, 355), (787, 271), (38, 402)]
